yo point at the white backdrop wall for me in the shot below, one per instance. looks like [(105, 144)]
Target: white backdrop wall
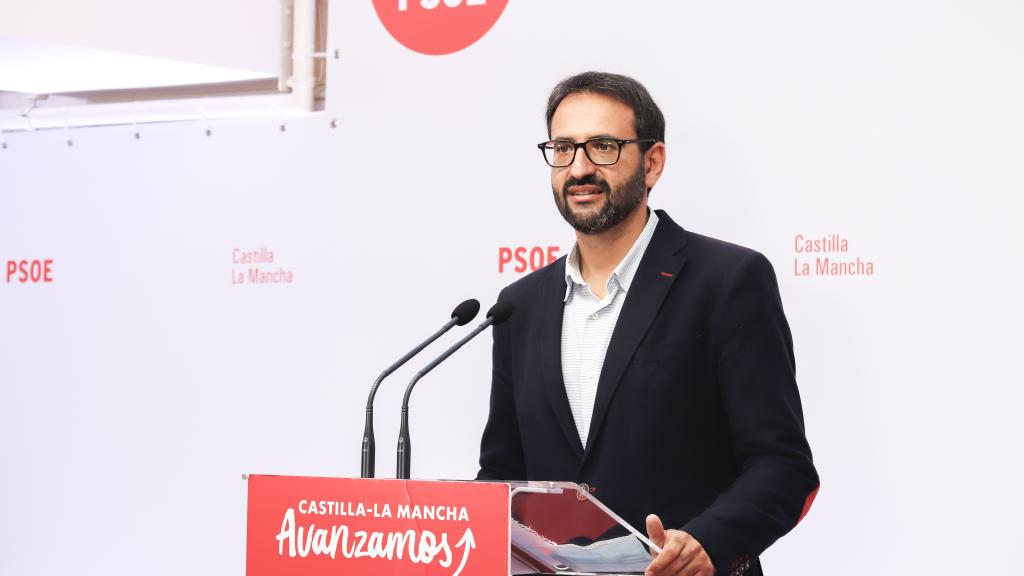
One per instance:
[(142, 382)]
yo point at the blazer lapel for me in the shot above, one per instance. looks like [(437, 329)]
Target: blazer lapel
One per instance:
[(552, 301), (659, 268)]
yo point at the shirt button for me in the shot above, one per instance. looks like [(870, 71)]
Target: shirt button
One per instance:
[(595, 316)]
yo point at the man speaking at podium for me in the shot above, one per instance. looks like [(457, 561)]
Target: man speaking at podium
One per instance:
[(653, 364)]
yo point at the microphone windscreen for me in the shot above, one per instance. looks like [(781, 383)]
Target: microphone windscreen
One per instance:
[(466, 311), (500, 312)]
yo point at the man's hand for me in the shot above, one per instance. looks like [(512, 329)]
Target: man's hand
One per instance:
[(681, 554)]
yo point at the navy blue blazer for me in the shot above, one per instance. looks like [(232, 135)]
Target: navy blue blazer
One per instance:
[(697, 416)]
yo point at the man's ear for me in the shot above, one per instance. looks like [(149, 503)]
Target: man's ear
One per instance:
[(654, 164)]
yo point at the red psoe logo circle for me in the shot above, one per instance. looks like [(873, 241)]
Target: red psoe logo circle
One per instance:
[(438, 26)]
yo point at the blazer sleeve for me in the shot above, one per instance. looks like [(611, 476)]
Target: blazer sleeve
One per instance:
[(777, 480), (501, 453)]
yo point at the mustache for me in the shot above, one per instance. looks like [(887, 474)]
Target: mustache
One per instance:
[(588, 180)]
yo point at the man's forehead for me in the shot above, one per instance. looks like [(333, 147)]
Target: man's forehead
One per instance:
[(588, 114)]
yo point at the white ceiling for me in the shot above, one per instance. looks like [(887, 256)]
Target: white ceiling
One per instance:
[(52, 46), (240, 34), (36, 67)]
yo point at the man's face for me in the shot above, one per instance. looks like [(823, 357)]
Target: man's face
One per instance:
[(590, 197)]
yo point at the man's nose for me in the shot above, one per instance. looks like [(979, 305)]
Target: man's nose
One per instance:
[(581, 165)]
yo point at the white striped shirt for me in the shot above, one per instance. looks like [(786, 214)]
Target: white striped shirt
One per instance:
[(587, 325)]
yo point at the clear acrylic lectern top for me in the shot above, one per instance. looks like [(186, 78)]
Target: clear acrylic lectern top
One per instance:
[(560, 528)]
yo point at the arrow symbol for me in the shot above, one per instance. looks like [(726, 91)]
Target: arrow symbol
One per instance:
[(469, 542)]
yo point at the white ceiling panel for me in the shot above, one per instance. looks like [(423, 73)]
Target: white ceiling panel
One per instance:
[(35, 67), (236, 34)]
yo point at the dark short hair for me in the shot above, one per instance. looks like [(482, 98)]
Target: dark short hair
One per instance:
[(648, 120)]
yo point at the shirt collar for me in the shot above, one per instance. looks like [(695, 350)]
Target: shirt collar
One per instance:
[(626, 269)]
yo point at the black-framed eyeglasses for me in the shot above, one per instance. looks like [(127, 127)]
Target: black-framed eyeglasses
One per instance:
[(600, 151)]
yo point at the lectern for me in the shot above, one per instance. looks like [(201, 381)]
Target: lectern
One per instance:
[(313, 526)]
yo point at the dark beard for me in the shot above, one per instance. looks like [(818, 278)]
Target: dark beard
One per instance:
[(619, 203)]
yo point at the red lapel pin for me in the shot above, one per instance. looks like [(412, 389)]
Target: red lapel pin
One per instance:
[(666, 274)]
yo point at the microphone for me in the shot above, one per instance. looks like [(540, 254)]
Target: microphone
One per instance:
[(496, 315), (462, 315)]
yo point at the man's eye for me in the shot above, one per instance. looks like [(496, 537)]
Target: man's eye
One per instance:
[(563, 148), (605, 146)]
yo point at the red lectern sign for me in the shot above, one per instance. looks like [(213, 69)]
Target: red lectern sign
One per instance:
[(319, 526)]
